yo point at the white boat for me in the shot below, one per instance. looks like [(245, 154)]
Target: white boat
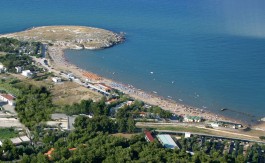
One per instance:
[(180, 99), (155, 92), (151, 72)]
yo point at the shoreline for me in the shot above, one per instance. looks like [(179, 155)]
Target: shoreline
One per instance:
[(60, 63)]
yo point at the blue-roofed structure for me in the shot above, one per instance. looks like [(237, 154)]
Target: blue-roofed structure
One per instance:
[(167, 141)]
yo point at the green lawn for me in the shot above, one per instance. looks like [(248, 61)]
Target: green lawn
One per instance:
[(6, 133)]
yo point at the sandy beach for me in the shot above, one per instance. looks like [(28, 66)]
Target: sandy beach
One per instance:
[(59, 62)]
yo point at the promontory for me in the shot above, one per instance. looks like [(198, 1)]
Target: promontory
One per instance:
[(72, 37)]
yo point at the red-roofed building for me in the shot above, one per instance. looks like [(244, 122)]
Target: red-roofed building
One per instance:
[(72, 149), (111, 101), (148, 136), (8, 98), (104, 87), (49, 153)]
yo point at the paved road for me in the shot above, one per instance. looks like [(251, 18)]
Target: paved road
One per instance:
[(208, 135)]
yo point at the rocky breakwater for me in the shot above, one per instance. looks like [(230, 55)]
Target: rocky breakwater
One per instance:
[(70, 37)]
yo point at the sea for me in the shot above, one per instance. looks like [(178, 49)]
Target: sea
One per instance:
[(205, 53)]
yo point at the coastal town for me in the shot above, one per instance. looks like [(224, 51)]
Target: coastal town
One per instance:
[(173, 125)]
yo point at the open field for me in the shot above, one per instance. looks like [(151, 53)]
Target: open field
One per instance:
[(43, 83), (128, 136), (67, 93), (64, 93)]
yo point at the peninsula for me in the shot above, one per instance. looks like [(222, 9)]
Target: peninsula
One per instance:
[(72, 37)]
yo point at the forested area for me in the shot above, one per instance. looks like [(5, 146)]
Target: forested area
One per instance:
[(10, 61), (92, 141), (33, 105), (11, 45)]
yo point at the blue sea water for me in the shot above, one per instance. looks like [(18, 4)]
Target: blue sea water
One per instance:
[(209, 53)]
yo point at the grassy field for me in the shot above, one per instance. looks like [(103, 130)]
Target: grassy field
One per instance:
[(5, 84), (127, 136), (67, 93), (6, 133), (184, 129)]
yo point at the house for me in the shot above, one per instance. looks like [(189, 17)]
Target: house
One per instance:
[(18, 69), (2, 68), (56, 79), (16, 141), (167, 141), (192, 119), (142, 114), (103, 87), (129, 103), (148, 136), (111, 101), (27, 73), (187, 134), (49, 153), (215, 124), (10, 99), (25, 139)]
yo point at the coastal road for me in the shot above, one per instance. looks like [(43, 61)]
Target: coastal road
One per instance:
[(58, 73)]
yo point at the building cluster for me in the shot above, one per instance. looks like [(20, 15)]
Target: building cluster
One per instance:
[(19, 70), (224, 124), (170, 140), (188, 118)]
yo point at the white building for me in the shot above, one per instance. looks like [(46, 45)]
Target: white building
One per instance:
[(8, 98), (18, 69), (24, 139), (16, 141), (215, 124), (2, 68), (187, 134), (167, 141), (56, 79), (27, 73)]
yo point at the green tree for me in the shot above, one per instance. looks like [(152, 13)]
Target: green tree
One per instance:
[(131, 125)]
